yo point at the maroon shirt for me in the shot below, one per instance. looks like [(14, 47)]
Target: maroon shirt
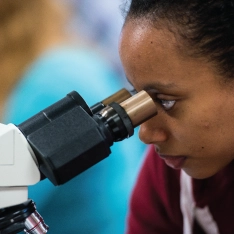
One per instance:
[(155, 206)]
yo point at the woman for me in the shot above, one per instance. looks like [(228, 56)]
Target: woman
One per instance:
[(40, 63), (182, 53)]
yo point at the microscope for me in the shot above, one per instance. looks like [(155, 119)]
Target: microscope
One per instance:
[(59, 143)]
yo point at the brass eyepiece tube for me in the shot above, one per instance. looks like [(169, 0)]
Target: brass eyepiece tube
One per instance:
[(117, 97), (139, 108)]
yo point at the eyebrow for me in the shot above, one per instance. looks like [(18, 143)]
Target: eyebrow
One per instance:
[(156, 85), (159, 85)]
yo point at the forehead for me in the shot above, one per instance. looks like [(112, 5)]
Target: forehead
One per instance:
[(145, 49), (150, 53), (138, 33)]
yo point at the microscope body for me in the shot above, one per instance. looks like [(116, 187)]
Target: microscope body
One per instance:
[(59, 143)]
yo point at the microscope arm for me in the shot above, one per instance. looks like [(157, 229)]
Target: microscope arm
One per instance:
[(18, 166)]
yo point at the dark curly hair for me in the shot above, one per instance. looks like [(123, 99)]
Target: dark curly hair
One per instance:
[(206, 26)]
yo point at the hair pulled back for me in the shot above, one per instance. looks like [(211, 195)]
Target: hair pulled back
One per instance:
[(205, 27)]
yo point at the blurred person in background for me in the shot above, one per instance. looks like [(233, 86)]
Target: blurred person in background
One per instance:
[(39, 65)]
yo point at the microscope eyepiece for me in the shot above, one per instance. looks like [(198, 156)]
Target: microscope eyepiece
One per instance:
[(140, 107), (67, 138), (124, 117)]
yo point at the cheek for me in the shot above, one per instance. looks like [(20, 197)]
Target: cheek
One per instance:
[(206, 116), (192, 125), (206, 128)]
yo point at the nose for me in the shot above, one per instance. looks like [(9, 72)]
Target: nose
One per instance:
[(152, 132)]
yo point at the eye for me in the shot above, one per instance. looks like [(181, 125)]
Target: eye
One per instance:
[(167, 104)]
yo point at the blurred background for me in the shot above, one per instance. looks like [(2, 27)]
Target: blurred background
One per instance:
[(49, 48), (101, 22)]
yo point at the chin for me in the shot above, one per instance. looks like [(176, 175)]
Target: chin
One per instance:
[(199, 174)]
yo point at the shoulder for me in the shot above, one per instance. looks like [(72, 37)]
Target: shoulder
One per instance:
[(155, 199), (157, 180), (158, 171)]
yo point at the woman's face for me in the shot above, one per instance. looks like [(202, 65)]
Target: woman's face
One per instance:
[(194, 127)]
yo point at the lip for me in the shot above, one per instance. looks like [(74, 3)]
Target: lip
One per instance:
[(175, 162)]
